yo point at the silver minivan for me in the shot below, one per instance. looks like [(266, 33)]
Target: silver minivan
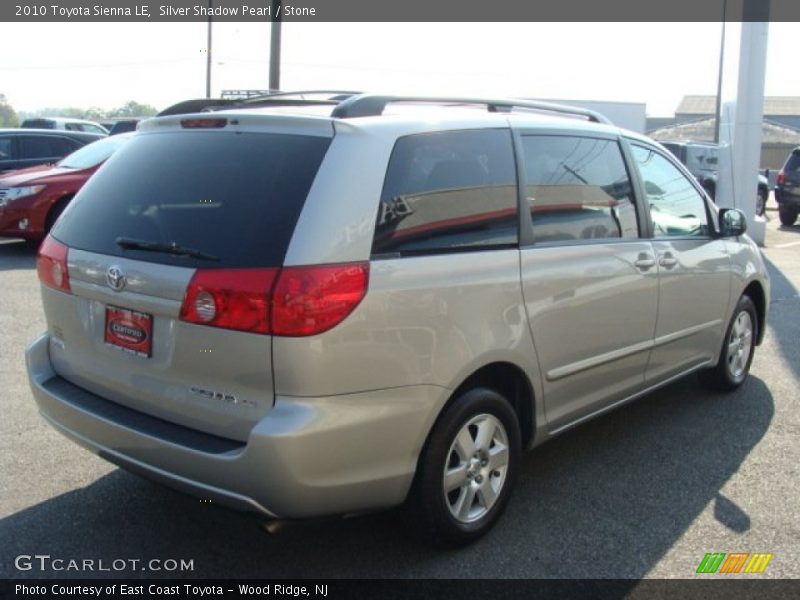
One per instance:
[(305, 307)]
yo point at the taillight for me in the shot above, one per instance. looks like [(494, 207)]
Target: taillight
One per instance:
[(230, 298), (292, 301), (311, 300), (51, 264), (781, 178)]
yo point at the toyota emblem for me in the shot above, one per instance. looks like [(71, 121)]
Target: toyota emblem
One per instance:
[(115, 278)]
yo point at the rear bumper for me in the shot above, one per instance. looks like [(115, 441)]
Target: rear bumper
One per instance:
[(784, 198), (308, 457)]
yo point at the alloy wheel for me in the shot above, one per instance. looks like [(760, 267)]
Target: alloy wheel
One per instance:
[(476, 468), (740, 344)]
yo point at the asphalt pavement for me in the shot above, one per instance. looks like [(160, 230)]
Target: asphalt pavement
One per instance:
[(645, 491)]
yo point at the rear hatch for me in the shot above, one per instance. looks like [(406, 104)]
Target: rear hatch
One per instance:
[(176, 209), (789, 182)]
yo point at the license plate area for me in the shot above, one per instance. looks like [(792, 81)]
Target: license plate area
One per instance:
[(129, 330)]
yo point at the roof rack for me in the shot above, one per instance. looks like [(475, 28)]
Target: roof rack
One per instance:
[(369, 105), (242, 94), (333, 95), (349, 104), (297, 98)]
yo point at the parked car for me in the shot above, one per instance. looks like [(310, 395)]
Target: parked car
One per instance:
[(121, 125), (22, 148), (326, 307), (32, 199), (124, 126), (787, 189), (64, 124), (702, 158)]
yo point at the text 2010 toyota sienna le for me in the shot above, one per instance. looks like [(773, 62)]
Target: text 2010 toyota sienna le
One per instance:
[(310, 307)]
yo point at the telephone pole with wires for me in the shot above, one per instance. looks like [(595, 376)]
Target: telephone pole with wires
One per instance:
[(208, 51), (275, 48)]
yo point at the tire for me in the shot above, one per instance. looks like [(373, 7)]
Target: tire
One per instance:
[(55, 212), (761, 203), (480, 476), (788, 215), (738, 347)]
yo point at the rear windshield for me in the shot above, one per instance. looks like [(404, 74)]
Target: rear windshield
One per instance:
[(38, 124), (793, 162), (228, 195)]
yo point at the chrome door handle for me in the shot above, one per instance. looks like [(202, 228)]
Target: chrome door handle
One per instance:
[(667, 261)]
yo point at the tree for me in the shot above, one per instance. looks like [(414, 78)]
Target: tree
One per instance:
[(133, 109), (93, 113), (71, 112), (8, 116)]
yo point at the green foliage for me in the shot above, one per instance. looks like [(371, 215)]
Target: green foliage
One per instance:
[(94, 113), (8, 116), (132, 109)]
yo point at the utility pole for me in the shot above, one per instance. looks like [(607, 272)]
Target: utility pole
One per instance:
[(208, 51), (718, 107), (275, 48)]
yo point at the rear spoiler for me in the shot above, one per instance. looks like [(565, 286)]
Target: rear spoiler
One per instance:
[(198, 105)]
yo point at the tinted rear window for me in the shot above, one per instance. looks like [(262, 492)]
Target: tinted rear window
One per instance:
[(123, 127), (793, 162), (235, 196), (39, 124), (448, 191)]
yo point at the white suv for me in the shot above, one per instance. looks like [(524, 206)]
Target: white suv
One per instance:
[(64, 124)]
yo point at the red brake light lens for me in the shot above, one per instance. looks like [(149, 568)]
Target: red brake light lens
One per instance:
[(51, 264), (781, 178), (292, 301), (230, 298), (203, 123), (311, 300)]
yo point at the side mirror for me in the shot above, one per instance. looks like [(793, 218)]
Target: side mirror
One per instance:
[(732, 222)]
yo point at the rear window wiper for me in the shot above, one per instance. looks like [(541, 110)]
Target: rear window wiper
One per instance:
[(172, 248)]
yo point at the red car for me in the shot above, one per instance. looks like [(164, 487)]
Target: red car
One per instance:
[(32, 199)]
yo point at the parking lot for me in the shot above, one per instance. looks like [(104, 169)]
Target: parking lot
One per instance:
[(645, 491)]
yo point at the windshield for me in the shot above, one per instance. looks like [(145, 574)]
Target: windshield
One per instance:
[(92, 154)]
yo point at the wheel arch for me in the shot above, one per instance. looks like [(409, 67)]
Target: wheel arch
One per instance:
[(511, 381), (755, 291), (61, 202)]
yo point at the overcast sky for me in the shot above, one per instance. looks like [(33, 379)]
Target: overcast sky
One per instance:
[(107, 64)]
